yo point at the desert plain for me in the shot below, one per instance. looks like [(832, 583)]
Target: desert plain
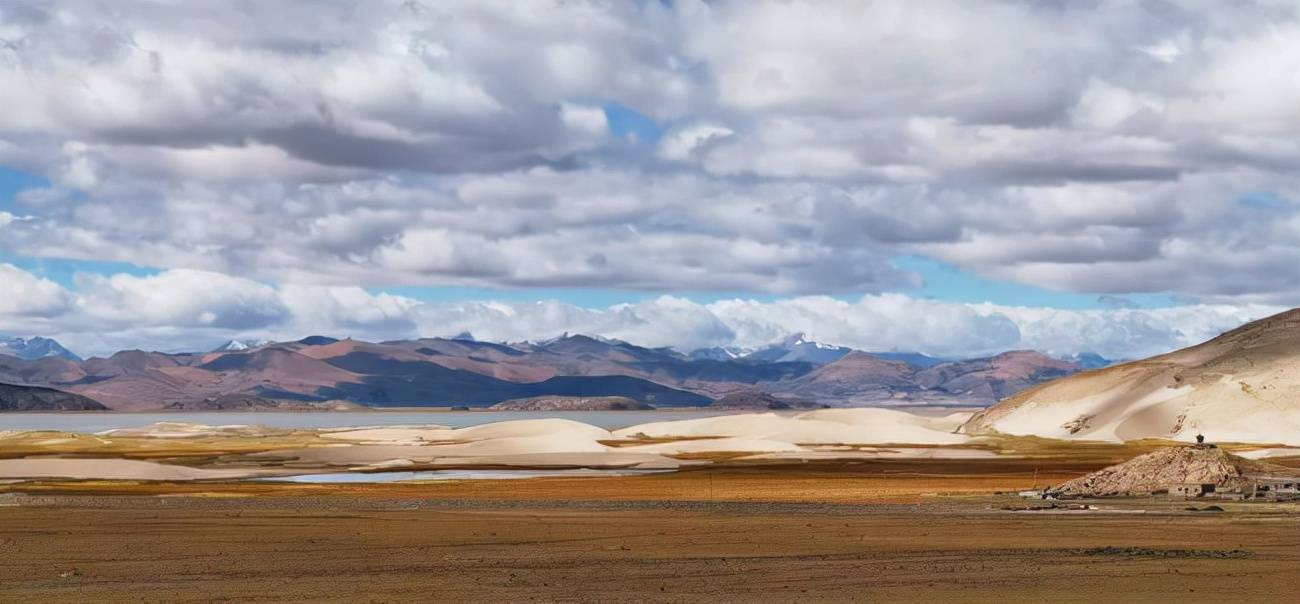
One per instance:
[(174, 513)]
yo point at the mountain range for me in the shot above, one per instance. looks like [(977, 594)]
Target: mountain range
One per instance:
[(463, 371)]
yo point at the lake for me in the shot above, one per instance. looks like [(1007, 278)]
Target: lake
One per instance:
[(99, 422)]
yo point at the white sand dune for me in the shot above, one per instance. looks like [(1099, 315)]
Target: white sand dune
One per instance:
[(354, 455), (563, 442), (552, 442), (511, 452), (560, 442), (1243, 386), (827, 426), (390, 435), (607, 459), (532, 427), (540, 442), (509, 429), (1271, 452), (189, 430), (109, 469), (716, 445)]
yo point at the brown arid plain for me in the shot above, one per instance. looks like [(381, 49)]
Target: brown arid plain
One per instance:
[(871, 530)]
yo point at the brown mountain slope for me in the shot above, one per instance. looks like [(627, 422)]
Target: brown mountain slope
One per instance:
[(137, 380), (34, 398), (855, 377), (995, 377), (39, 371), (1241, 386), (318, 369)]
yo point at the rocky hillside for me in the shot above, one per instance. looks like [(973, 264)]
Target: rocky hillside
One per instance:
[(1158, 470), (1243, 386), (572, 403), (995, 377), (248, 402), (32, 398), (755, 400)]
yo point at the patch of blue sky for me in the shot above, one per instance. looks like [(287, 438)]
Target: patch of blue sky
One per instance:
[(942, 281), (14, 181), (578, 296), (58, 270), (63, 271), (627, 123), (1265, 200)]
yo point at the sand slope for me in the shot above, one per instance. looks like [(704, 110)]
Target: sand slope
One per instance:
[(1243, 386), (826, 426), (110, 469)]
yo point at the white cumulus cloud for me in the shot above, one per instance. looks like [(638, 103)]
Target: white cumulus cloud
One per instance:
[(191, 310)]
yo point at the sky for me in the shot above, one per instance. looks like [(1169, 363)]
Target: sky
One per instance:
[(955, 178)]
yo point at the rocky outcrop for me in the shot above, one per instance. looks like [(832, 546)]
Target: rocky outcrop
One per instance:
[(34, 398), (755, 400), (572, 403), (1159, 470), (249, 402)]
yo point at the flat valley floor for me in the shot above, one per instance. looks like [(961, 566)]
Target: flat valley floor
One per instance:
[(920, 531)]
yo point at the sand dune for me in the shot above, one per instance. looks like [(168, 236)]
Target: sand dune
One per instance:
[(507, 429), (1243, 386), (539, 442), (613, 459), (717, 445), (826, 426), (110, 469), (190, 430), (522, 443)]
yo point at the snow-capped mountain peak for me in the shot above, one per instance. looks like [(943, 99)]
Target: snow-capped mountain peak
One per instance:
[(719, 353), (35, 348), (240, 345), (798, 348)]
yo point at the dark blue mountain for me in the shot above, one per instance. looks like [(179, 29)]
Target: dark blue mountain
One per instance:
[(35, 348)]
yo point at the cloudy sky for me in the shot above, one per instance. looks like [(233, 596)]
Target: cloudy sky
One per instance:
[(954, 178)]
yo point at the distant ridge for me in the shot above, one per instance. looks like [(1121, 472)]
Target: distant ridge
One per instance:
[(35, 348), (914, 359), (462, 371)]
